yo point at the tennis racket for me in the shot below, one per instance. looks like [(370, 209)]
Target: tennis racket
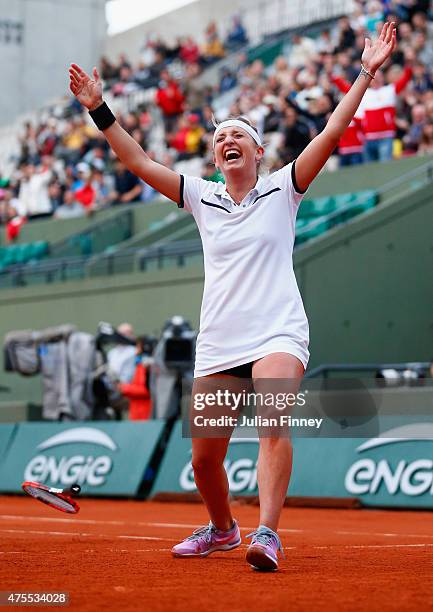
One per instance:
[(60, 499)]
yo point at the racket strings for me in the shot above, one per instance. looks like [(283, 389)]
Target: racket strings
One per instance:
[(50, 498)]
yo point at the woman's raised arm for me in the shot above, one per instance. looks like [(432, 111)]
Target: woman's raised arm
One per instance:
[(88, 92), (315, 155)]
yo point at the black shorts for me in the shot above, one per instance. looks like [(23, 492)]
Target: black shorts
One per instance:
[(242, 371)]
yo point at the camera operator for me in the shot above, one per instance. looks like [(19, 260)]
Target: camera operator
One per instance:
[(137, 391)]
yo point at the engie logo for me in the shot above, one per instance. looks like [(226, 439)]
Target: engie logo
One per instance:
[(410, 477), (241, 473), (67, 469)]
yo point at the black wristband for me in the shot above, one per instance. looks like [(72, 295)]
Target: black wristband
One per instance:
[(102, 116)]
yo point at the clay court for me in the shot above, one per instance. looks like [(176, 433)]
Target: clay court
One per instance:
[(116, 555)]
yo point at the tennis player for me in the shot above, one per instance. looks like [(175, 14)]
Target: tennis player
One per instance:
[(252, 321)]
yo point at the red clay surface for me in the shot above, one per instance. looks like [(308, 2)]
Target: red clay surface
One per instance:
[(115, 555)]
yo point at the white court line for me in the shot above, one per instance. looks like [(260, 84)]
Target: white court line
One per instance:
[(11, 517), (77, 522), (113, 550), (8, 517), (424, 545), (165, 550), (88, 535), (386, 535)]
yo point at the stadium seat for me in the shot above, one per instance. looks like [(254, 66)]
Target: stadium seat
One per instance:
[(317, 230), (343, 199), (323, 206), (22, 253), (362, 201), (39, 249)]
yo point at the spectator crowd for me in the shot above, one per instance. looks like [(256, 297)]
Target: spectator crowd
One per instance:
[(66, 169)]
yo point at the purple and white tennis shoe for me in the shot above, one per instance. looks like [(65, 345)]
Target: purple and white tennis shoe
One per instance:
[(207, 540), (262, 553)]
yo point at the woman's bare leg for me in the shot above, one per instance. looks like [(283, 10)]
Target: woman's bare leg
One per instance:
[(208, 453), (275, 453)]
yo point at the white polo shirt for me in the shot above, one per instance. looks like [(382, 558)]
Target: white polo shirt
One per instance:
[(251, 302)]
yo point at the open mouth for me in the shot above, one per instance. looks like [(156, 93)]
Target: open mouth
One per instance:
[(232, 155)]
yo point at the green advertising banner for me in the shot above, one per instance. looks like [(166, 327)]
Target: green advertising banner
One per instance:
[(382, 471), (6, 434), (395, 469), (175, 473), (103, 458)]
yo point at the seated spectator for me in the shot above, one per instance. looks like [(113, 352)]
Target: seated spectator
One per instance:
[(55, 193), (85, 193), (426, 144), (423, 48), (147, 52), (374, 17), (195, 93), (296, 135), (207, 119), (33, 198), (274, 116), (102, 185), (126, 83), (123, 61), (213, 49), (284, 76), (14, 223), (319, 108), (189, 51), (9, 215), (48, 138), (237, 35), (170, 100), (302, 51), (76, 134), (422, 80), (346, 38), (107, 70), (177, 140), (71, 208), (81, 173), (194, 135), (127, 186), (412, 140), (228, 80), (324, 43), (137, 391)]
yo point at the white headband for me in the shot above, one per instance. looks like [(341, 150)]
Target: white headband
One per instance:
[(240, 124)]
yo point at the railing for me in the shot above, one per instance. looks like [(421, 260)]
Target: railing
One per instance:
[(97, 237), (76, 268), (325, 369)]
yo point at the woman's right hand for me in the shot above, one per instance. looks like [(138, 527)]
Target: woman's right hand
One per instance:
[(88, 91)]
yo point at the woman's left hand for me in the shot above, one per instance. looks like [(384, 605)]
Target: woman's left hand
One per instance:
[(375, 54)]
